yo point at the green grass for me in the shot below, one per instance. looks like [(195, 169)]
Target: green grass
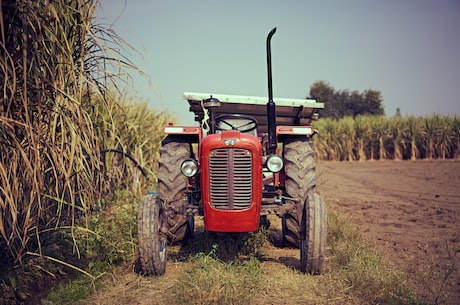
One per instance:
[(95, 245), (368, 274), (69, 292), (212, 281)]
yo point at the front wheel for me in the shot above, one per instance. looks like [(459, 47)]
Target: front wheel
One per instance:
[(313, 234), (152, 246)]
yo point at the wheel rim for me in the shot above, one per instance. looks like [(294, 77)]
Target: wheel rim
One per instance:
[(162, 250)]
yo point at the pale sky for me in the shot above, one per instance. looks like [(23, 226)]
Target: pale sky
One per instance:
[(409, 50)]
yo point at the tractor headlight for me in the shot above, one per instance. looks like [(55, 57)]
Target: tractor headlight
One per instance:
[(274, 163), (189, 167)]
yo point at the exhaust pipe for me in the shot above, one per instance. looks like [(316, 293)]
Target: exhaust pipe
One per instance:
[(271, 109)]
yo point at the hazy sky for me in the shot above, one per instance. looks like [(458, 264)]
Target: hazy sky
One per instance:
[(409, 50)]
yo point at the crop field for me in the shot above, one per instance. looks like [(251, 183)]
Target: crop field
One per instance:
[(382, 138)]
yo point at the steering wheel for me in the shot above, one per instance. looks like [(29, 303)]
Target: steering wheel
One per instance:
[(250, 125)]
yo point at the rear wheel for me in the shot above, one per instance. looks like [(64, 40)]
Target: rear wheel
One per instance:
[(306, 226), (299, 166), (313, 234), (172, 186), (152, 247)]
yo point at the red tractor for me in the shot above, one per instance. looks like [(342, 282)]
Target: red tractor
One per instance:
[(248, 159)]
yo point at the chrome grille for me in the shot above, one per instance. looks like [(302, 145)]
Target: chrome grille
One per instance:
[(230, 175)]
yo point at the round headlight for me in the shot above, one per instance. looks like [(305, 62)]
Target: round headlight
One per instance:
[(189, 168), (274, 163)]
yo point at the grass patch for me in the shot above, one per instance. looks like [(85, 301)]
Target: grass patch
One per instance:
[(247, 269), (212, 281), (69, 292), (108, 240), (111, 237), (367, 274), (355, 273)]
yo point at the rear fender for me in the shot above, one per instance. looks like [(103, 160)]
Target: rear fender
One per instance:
[(306, 130), (193, 133)]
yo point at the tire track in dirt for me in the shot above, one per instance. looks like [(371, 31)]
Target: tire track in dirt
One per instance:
[(409, 211)]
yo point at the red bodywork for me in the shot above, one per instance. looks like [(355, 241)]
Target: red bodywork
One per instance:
[(228, 218)]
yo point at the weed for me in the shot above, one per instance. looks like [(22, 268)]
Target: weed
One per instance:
[(69, 292)]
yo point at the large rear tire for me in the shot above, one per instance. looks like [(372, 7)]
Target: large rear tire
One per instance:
[(172, 186), (313, 234), (152, 248), (299, 166)]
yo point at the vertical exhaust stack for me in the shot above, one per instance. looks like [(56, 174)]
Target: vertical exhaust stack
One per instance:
[(271, 109)]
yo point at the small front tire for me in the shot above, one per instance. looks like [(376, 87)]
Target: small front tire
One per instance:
[(313, 234), (152, 247)]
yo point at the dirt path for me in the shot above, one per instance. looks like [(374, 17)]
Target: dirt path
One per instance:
[(410, 211)]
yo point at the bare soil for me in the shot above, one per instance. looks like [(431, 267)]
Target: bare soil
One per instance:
[(408, 210)]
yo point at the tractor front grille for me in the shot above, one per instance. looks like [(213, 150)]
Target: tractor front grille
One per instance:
[(230, 174)]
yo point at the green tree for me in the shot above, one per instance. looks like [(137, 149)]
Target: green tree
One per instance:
[(323, 92), (339, 104), (372, 102)]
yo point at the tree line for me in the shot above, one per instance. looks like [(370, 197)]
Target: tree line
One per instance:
[(342, 103)]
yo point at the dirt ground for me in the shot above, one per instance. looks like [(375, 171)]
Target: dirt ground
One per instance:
[(408, 210)]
